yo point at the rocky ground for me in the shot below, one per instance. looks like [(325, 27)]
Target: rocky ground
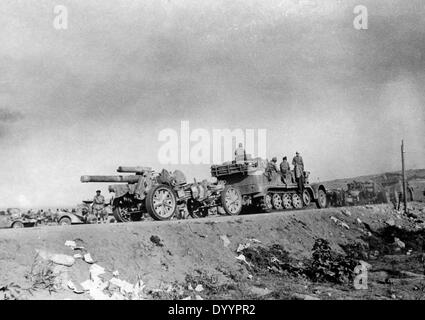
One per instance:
[(306, 254)]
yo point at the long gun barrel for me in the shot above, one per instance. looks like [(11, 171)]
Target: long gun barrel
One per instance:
[(126, 179), (133, 169)]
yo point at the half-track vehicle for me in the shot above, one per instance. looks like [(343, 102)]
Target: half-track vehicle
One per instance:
[(164, 194), (266, 193)]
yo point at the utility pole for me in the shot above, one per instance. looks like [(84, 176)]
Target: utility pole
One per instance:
[(403, 172)]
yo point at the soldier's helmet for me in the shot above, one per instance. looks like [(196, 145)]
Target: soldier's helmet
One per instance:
[(274, 159), (97, 191)]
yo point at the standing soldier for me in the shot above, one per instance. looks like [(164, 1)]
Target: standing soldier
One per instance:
[(271, 168), (98, 206), (240, 154), (285, 170), (298, 164)]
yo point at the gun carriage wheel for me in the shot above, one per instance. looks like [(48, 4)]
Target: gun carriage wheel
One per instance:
[(161, 202), (231, 200)]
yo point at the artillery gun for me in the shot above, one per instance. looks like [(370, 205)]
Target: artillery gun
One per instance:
[(164, 194)]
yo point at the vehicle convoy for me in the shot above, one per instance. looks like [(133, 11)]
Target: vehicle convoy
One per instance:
[(164, 194), (259, 191), (14, 218), (358, 193)]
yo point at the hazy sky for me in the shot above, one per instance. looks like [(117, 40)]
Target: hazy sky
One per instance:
[(92, 97)]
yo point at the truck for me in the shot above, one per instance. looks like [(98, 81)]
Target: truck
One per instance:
[(268, 193), (164, 195), (358, 193)]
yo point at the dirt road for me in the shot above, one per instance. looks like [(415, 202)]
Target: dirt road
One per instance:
[(172, 258)]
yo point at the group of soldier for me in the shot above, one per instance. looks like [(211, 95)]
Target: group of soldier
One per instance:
[(284, 169), (98, 214)]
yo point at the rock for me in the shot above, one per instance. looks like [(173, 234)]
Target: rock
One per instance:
[(399, 243), (390, 222), (57, 258), (259, 291), (226, 240), (88, 258), (241, 257), (117, 296), (346, 212), (359, 221), (115, 273), (199, 288), (62, 259), (70, 243), (340, 223), (343, 224), (125, 287), (95, 272), (75, 287), (156, 240), (300, 296), (97, 294), (242, 247), (78, 256)]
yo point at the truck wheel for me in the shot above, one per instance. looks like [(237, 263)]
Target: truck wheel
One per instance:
[(17, 224), (297, 202), (322, 201), (121, 214), (306, 198), (231, 200), (65, 221), (277, 201), (161, 202), (287, 201)]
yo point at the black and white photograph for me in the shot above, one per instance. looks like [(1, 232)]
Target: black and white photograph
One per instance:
[(219, 150)]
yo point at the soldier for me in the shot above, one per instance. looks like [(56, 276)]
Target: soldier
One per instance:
[(99, 206), (240, 154), (298, 164), (271, 168), (285, 170)]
